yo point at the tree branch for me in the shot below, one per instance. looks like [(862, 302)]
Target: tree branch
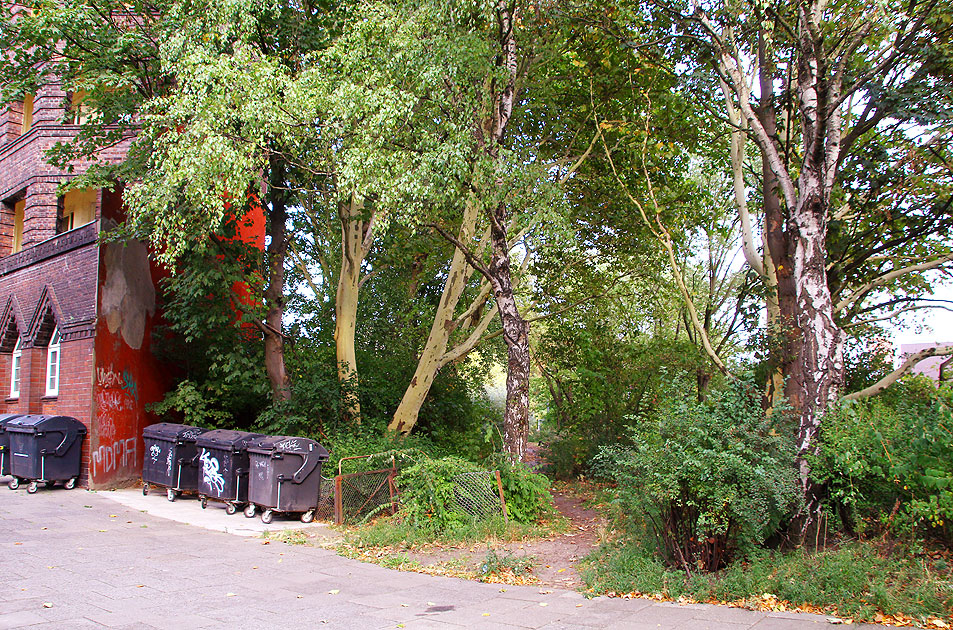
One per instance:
[(905, 367)]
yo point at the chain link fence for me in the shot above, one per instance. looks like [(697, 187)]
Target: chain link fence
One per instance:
[(358, 496), (479, 494), (354, 497), (325, 511)]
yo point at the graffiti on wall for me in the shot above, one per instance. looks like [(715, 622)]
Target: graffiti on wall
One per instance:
[(117, 406), (120, 455)]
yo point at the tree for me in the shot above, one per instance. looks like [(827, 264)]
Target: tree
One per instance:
[(805, 83)]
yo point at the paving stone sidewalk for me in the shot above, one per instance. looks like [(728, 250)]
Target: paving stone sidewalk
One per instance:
[(77, 559)]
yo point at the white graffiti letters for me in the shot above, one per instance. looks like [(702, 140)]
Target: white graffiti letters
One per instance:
[(121, 454), (154, 452), (210, 474)]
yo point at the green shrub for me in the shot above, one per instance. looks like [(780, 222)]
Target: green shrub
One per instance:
[(705, 478), (857, 579), (890, 459), (527, 493), (427, 496)]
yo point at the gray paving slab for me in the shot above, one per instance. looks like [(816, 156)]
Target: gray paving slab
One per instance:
[(77, 559)]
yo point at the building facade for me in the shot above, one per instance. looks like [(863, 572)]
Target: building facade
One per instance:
[(76, 314)]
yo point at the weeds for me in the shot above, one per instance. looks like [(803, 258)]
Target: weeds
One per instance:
[(506, 562), (397, 532), (858, 579)]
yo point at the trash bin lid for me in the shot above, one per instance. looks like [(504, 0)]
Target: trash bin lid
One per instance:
[(38, 422), (171, 431), (4, 417), (226, 438), (274, 444)]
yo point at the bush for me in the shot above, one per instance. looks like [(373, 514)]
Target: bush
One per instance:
[(527, 494), (427, 497), (889, 460), (706, 478), (858, 579)]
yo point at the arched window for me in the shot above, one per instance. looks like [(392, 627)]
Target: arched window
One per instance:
[(15, 371), (53, 364)]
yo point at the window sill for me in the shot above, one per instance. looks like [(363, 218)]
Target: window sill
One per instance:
[(49, 397), (11, 399)]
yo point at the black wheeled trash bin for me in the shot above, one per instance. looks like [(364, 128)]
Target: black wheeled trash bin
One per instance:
[(223, 467), (285, 477), (5, 442), (45, 449), (171, 458)]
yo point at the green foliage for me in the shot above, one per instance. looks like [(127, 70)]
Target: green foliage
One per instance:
[(705, 478), (598, 381), (890, 459), (218, 355), (527, 493), (505, 561), (427, 497), (187, 404), (397, 532), (855, 579)]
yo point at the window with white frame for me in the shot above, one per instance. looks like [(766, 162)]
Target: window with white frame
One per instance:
[(53, 365), (15, 371)]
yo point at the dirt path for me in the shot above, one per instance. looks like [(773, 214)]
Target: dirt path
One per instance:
[(553, 561), (557, 557)]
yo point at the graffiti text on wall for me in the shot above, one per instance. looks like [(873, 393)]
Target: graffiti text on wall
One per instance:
[(117, 405)]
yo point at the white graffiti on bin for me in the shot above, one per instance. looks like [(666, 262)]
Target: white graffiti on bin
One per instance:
[(121, 454), (210, 474), (291, 445), (168, 463), (154, 451)]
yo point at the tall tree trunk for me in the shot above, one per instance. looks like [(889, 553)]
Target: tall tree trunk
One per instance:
[(356, 237), (516, 336), (782, 305), (821, 360), (820, 365), (515, 328), (275, 291), (434, 354)]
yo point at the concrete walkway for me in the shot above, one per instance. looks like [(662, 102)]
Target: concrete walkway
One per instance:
[(77, 559)]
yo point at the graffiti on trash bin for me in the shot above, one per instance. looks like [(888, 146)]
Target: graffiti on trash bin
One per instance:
[(291, 445), (210, 473), (154, 452)]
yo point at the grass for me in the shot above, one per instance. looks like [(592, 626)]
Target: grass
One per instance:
[(393, 532), (860, 580), (498, 563)]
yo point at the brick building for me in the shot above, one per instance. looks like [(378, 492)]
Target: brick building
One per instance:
[(76, 315)]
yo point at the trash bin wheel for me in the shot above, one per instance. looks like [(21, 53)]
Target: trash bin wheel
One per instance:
[(267, 516), (70, 483), (171, 494), (145, 489), (250, 510), (14, 483), (204, 501), (307, 517), (31, 489), (230, 508), (50, 484)]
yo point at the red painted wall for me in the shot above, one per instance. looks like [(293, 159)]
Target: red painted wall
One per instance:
[(127, 375)]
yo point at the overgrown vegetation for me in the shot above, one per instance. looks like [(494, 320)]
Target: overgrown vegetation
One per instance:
[(705, 480), (888, 462), (861, 580)]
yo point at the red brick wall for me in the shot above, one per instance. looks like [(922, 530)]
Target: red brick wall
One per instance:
[(70, 278)]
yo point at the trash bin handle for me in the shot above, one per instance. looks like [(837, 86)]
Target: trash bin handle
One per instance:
[(306, 467), (69, 436)]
